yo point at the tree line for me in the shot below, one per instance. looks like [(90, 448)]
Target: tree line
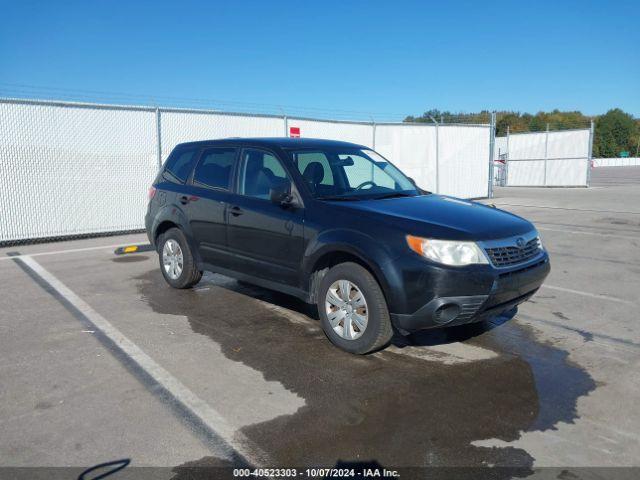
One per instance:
[(615, 131)]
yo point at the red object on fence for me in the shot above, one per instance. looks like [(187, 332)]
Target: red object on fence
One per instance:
[(294, 132)]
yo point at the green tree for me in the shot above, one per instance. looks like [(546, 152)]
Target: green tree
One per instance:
[(449, 117), (615, 131)]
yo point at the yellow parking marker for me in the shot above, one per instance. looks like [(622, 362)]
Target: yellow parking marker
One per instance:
[(133, 249)]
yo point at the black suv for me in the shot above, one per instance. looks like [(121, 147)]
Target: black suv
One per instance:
[(337, 225)]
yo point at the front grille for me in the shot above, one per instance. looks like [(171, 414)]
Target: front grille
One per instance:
[(513, 255)]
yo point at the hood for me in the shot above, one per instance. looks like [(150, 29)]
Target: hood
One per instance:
[(445, 217)]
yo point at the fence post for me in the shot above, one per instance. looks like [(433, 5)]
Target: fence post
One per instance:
[(590, 158), (373, 144), (437, 156), (506, 162), (492, 147), (546, 155), (159, 136), (373, 138), (286, 125)]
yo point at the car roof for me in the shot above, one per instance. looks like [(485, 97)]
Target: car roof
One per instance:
[(278, 142)]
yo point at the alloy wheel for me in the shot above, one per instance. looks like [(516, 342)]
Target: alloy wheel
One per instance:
[(172, 259), (346, 309)]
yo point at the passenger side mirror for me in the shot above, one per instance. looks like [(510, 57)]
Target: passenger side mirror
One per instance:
[(281, 194)]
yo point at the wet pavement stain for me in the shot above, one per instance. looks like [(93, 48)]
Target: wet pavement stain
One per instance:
[(559, 382), (387, 408)]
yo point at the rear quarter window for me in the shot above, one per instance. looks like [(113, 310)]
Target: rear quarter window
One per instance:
[(214, 168), (179, 164)]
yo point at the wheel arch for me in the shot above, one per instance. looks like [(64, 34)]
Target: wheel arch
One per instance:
[(172, 217), (162, 228), (332, 255)]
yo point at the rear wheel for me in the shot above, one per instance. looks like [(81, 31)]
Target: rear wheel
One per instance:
[(353, 310), (176, 260)]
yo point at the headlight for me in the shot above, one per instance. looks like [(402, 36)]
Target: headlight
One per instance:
[(448, 252), (540, 242)]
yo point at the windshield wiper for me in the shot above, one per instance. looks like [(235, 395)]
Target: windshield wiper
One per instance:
[(393, 195), (337, 197)]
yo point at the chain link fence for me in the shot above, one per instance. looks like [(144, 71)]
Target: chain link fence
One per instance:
[(73, 170), (76, 169)]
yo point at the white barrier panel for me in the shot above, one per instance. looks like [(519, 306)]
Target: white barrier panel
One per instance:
[(568, 144), (68, 170), (412, 148), (526, 146), (567, 173), (178, 127), (616, 162), (463, 158), (360, 133), (525, 173), (559, 158)]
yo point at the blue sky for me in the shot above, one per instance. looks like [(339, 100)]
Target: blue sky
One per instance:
[(387, 58)]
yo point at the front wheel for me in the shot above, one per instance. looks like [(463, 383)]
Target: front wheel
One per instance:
[(176, 260), (353, 310)]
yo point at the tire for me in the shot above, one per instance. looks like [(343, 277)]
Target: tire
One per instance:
[(377, 332), (188, 275)]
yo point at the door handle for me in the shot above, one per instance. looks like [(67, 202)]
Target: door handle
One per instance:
[(184, 199), (236, 211)]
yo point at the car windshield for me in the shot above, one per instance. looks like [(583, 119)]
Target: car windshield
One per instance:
[(351, 174)]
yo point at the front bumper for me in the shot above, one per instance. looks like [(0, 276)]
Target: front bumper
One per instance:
[(508, 289)]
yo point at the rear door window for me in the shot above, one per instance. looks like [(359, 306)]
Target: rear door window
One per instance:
[(215, 167)]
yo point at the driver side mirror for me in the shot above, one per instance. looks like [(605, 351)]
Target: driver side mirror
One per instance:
[(281, 194)]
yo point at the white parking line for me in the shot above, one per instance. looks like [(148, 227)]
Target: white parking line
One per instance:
[(599, 296), (208, 415), (71, 250)]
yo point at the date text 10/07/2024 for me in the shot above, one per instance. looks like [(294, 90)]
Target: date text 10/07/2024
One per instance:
[(316, 473)]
